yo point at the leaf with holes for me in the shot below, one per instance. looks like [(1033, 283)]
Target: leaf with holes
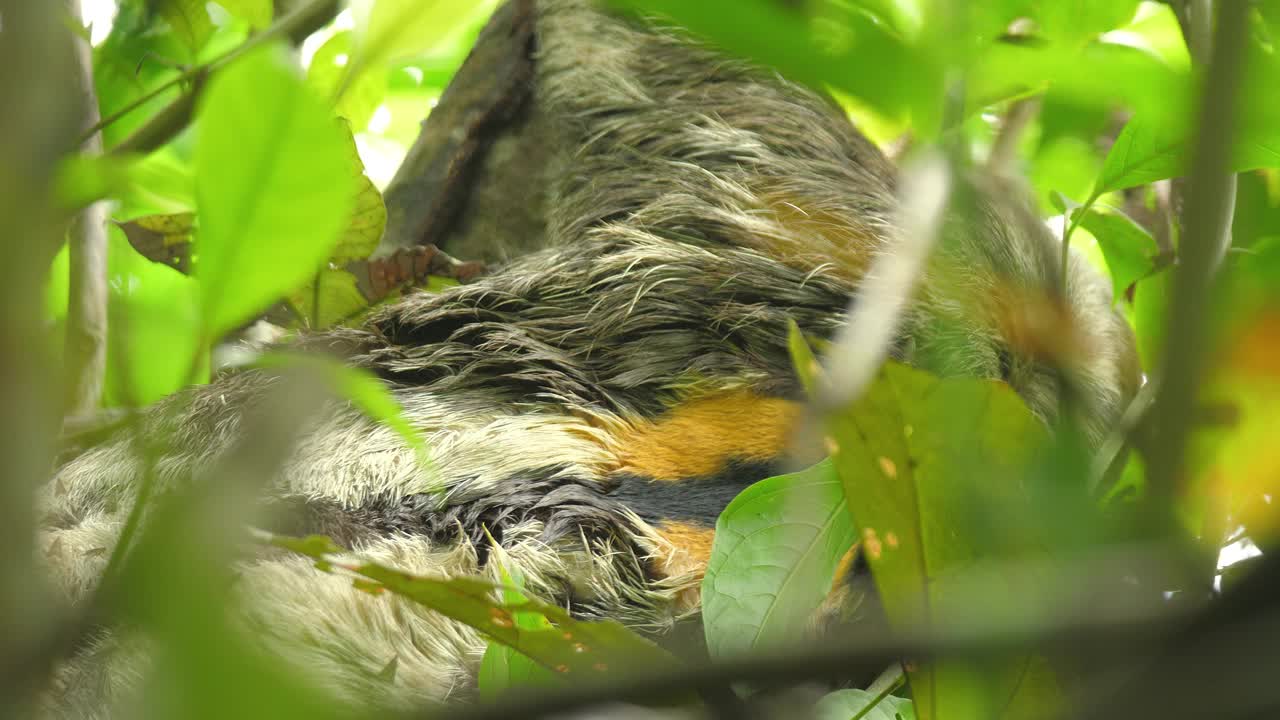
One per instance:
[(578, 650), (934, 472), (274, 188)]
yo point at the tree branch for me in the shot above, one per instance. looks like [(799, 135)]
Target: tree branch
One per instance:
[(1206, 220)]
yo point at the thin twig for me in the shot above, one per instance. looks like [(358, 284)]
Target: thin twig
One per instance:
[(1004, 151), (86, 331)]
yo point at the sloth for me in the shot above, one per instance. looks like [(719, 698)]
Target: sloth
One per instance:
[(591, 406)]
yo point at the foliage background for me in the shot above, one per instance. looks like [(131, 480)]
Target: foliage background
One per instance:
[(1103, 107)]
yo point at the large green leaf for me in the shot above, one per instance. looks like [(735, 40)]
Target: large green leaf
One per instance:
[(273, 184), (934, 473), (576, 649), (776, 549)]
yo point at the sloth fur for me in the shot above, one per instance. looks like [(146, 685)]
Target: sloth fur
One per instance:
[(594, 404)]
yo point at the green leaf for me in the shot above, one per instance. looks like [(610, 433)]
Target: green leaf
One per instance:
[(362, 388), (502, 667), (1144, 152), (337, 298), (84, 179), (387, 30), (328, 71), (846, 704), (189, 20), (1129, 249), (257, 13), (368, 219), (136, 58), (776, 549), (1074, 22), (574, 649), (273, 184), (161, 183), (836, 53), (153, 314), (934, 473), (152, 347)]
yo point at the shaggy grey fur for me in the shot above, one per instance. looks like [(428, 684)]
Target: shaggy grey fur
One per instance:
[(706, 204)]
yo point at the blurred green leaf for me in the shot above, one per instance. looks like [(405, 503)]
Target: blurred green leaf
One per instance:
[(152, 323), (136, 58), (359, 386), (906, 81), (388, 30), (776, 549), (85, 179), (847, 704), (273, 184), (189, 19), (326, 75), (1101, 75), (161, 183), (257, 13), (575, 649), (1066, 164), (1074, 22), (938, 468)]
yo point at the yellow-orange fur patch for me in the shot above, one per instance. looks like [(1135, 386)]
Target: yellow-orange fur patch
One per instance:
[(697, 438), (691, 548)]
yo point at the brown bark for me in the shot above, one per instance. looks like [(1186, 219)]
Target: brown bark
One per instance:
[(471, 184)]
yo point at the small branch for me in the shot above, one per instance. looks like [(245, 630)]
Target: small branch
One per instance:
[(859, 349), (1206, 221), (85, 354), (1004, 151)]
